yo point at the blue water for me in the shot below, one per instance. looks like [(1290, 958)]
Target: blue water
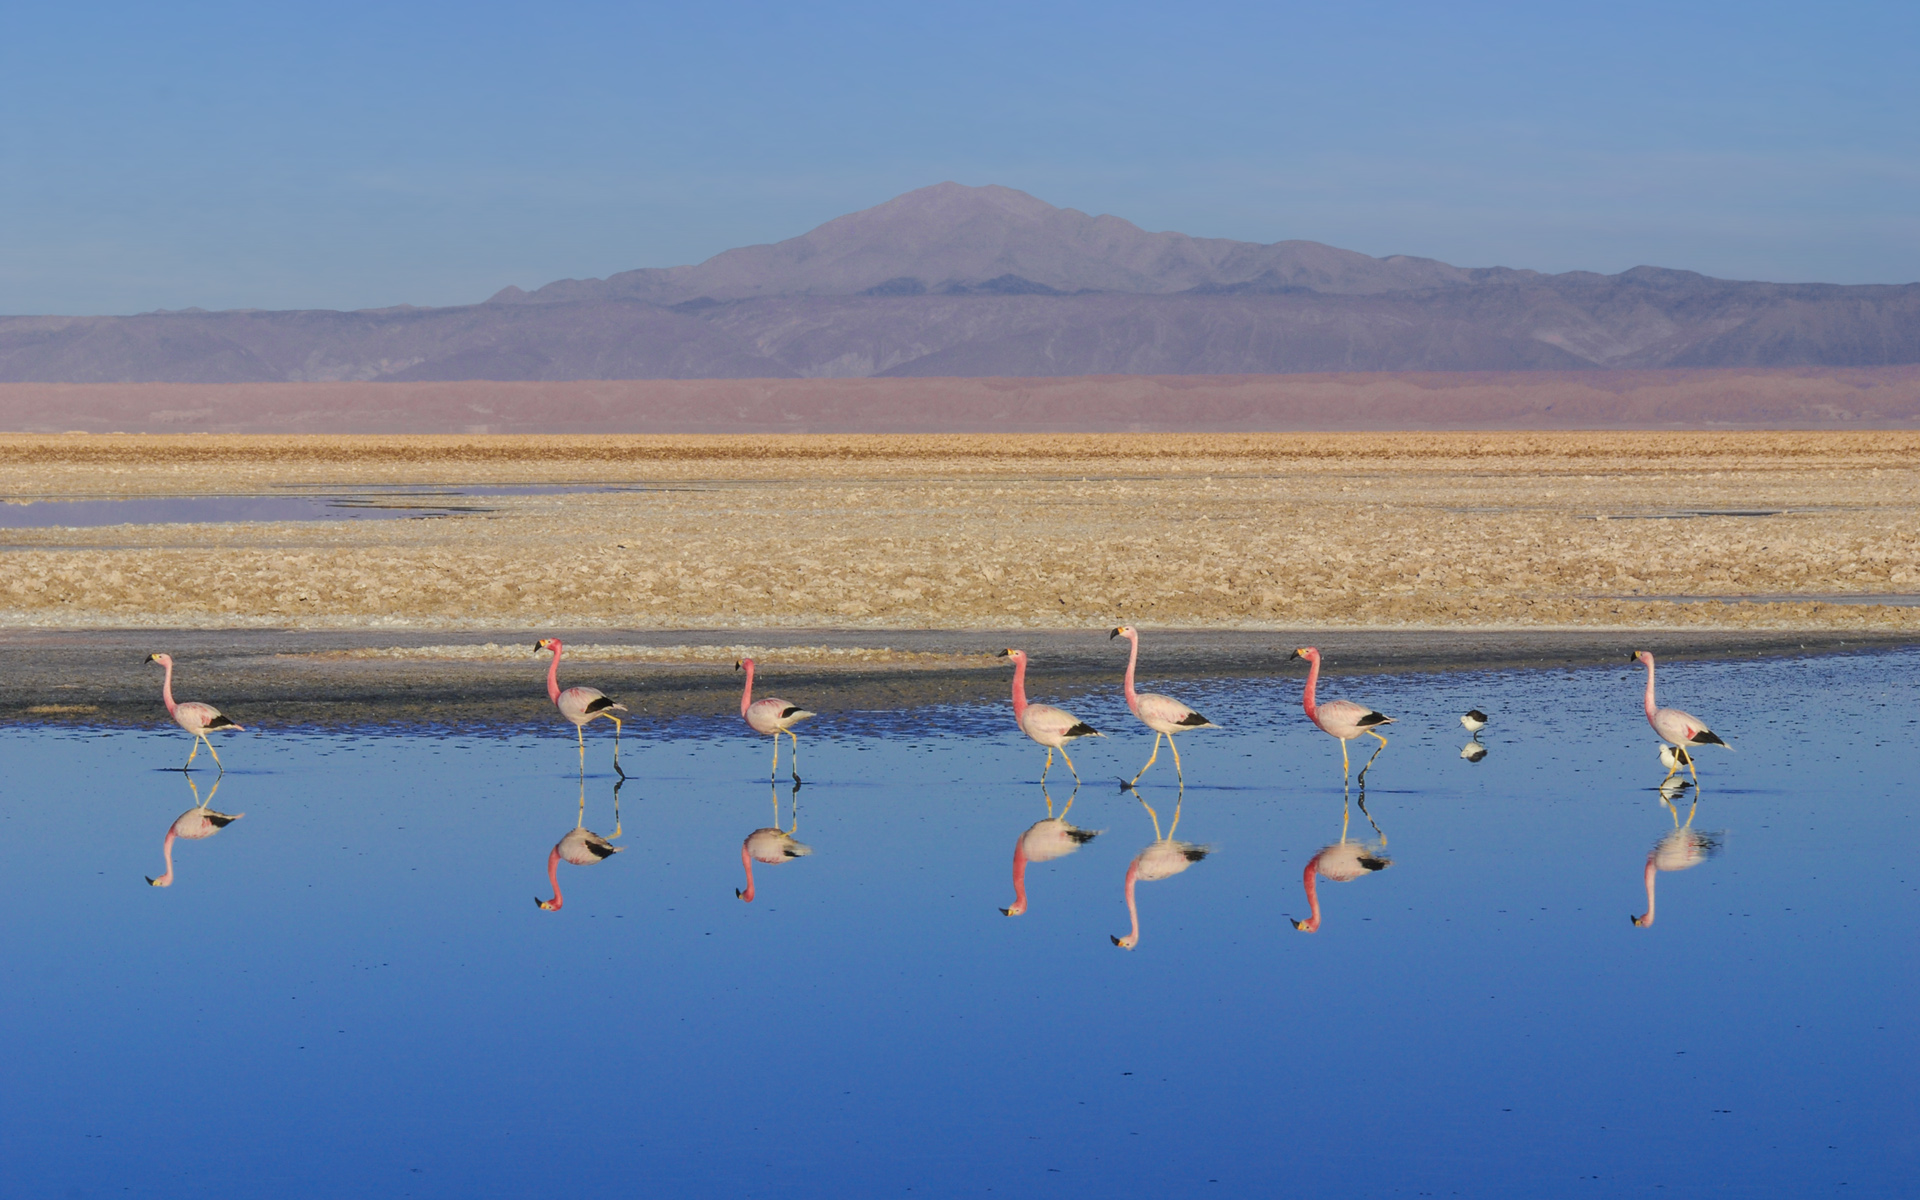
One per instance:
[(350, 991)]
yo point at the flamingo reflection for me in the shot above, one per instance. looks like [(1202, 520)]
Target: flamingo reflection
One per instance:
[(1683, 848), (1044, 841), (1341, 862), (773, 845), (582, 847), (196, 823), (1162, 858)]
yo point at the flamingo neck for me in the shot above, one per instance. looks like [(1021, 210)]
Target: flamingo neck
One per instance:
[(746, 702), (1133, 910), (1313, 680), (746, 860), (1019, 877), (1652, 871), (1651, 707), (1133, 656), (166, 851), (1019, 688), (553, 677), (1310, 879), (553, 873), (166, 692)]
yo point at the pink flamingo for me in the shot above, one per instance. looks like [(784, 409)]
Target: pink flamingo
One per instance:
[(195, 718), (1682, 729), (772, 716), (1051, 727), (1342, 718), (1161, 859), (198, 822), (580, 705), (582, 847), (1341, 862), (1677, 851), (1162, 714), (771, 846), (1044, 841)]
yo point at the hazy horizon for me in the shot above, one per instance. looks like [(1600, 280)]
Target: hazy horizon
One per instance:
[(222, 157)]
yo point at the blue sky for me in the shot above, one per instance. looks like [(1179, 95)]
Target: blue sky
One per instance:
[(353, 155)]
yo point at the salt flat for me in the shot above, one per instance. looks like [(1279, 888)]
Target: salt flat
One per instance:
[(1443, 531)]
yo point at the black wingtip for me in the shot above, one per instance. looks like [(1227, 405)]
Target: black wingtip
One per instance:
[(1707, 737), (1083, 730)]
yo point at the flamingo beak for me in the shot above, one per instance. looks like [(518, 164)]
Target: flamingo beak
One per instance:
[(148, 659), (1113, 635), (736, 666), (545, 905), (1294, 655), (1004, 654), (1125, 943)]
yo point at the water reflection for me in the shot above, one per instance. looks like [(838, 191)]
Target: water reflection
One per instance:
[(1473, 751), (1163, 857), (772, 845), (1044, 841), (1342, 862), (581, 846), (1685, 847), (198, 822)]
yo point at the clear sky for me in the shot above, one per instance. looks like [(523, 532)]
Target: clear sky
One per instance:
[(353, 155)]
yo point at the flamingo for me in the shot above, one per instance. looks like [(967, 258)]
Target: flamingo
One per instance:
[(1342, 718), (1162, 714), (773, 845), (1162, 858), (1475, 721), (1341, 862), (1044, 841), (198, 822), (193, 717), (1682, 729), (774, 716), (1051, 727), (581, 846), (1683, 848), (580, 705)]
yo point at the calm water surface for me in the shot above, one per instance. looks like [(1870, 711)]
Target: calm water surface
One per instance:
[(351, 992)]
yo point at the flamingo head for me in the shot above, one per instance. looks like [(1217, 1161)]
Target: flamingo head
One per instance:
[(165, 660), (1125, 631), (1125, 943), (1642, 922), (552, 644), (552, 905), (164, 881), (1307, 652), (743, 664), (1014, 910), (1017, 656), (1640, 656), (1310, 925)]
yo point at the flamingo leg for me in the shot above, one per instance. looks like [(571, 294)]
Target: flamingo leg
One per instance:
[(582, 739), (215, 753), (1150, 758), (1070, 767), (1177, 769), (1156, 819), (796, 752), (1690, 771), (1369, 766), (616, 805), (1048, 767), (775, 769), (192, 752), (1346, 768), (616, 745), (1368, 816)]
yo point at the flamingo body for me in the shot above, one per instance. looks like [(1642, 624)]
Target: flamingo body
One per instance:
[(1677, 851), (1342, 718), (193, 824), (1341, 862), (581, 847), (196, 718), (1162, 859), (1043, 841), (773, 717), (769, 847), (1162, 714), (1049, 726), (580, 705), (1683, 729)]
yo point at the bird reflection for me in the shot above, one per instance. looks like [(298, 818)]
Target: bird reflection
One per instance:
[(1474, 750), (772, 845), (1342, 862), (1161, 858), (1683, 848), (1045, 841), (196, 823), (582, 847)]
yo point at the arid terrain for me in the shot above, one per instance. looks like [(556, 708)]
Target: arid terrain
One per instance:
[(1815, 531)]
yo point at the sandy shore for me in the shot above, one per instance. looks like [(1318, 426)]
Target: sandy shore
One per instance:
[(1442, 531)]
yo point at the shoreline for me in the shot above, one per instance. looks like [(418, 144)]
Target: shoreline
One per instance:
[(302, 679)]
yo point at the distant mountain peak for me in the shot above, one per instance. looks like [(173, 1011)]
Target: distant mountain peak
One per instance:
[(954, 238)]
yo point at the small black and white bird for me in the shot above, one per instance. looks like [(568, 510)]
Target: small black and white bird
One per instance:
[(1475, 721), (1473, 751)]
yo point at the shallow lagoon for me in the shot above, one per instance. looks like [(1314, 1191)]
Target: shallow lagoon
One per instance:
[(350, 991)]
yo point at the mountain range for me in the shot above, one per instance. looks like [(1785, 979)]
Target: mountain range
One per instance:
[(988, 281)]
